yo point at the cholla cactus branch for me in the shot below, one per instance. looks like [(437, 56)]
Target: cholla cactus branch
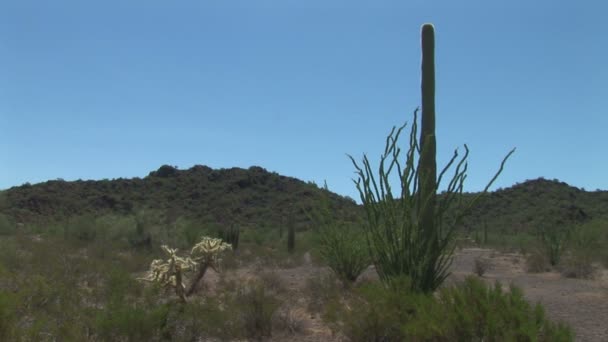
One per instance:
[(206, 254), (169, 273)]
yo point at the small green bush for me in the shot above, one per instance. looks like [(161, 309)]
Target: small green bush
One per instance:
[(8, 316), (470, 311), (321, 289), (255, 310), (123, 320), (480, 266), (81, 228), (475, 311), (578, 264), (344, 250), (7, 226), (537, 261)]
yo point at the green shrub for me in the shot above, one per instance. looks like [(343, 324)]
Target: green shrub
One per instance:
[(124, 320), (578, 264), (321, 289), (554, 241), (255, 310), (344, 250), (341, 245), (374, 312), (480, 266), (470, 311), (7, 226), (588, 243), (200, 320), (8, 316), (537, 261), (476, 311), (80, 228)]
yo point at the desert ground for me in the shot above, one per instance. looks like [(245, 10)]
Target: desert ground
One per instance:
[(581, 303)]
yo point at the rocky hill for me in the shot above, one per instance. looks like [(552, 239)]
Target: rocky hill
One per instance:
[(255, 196), (244, 196), (537, 203)]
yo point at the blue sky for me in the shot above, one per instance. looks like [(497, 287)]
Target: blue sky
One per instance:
[(108, 89)]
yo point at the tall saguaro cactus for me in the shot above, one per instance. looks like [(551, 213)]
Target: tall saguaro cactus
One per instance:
[(427, 163)]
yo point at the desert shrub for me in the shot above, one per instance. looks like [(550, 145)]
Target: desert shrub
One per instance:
[(344, 250), (81, 228), (7, 226), (287, 318), (140, 237), (320, 290), (476, 311), (10, 256), (8, 316), (341, 245), (553, 241), (192, 230), (470, 311), (578, 264), (590, 241), (199, 320), (256, 308), (271, 281), (480, 266), (537, 261), (373, 312), (126, 320)]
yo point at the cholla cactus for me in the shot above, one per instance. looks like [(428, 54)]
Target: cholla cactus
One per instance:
[(206, 254), (208, 251), (169, 273)]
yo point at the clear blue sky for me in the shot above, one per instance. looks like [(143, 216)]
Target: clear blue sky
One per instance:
[(108, 89)]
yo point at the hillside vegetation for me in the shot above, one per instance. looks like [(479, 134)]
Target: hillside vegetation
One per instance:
[(256, 197), (247, 197)]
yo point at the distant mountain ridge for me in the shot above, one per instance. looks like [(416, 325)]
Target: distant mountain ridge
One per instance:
[(235, 195), (255, 196), (537, 203)]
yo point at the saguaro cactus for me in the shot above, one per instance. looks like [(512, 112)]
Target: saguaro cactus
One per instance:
[(427, 163), (291, 236), (231, 234)]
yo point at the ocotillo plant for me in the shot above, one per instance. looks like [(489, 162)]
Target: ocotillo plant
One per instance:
[(407, 233)]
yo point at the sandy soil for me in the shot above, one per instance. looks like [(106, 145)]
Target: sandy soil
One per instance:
[(583, 304)]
